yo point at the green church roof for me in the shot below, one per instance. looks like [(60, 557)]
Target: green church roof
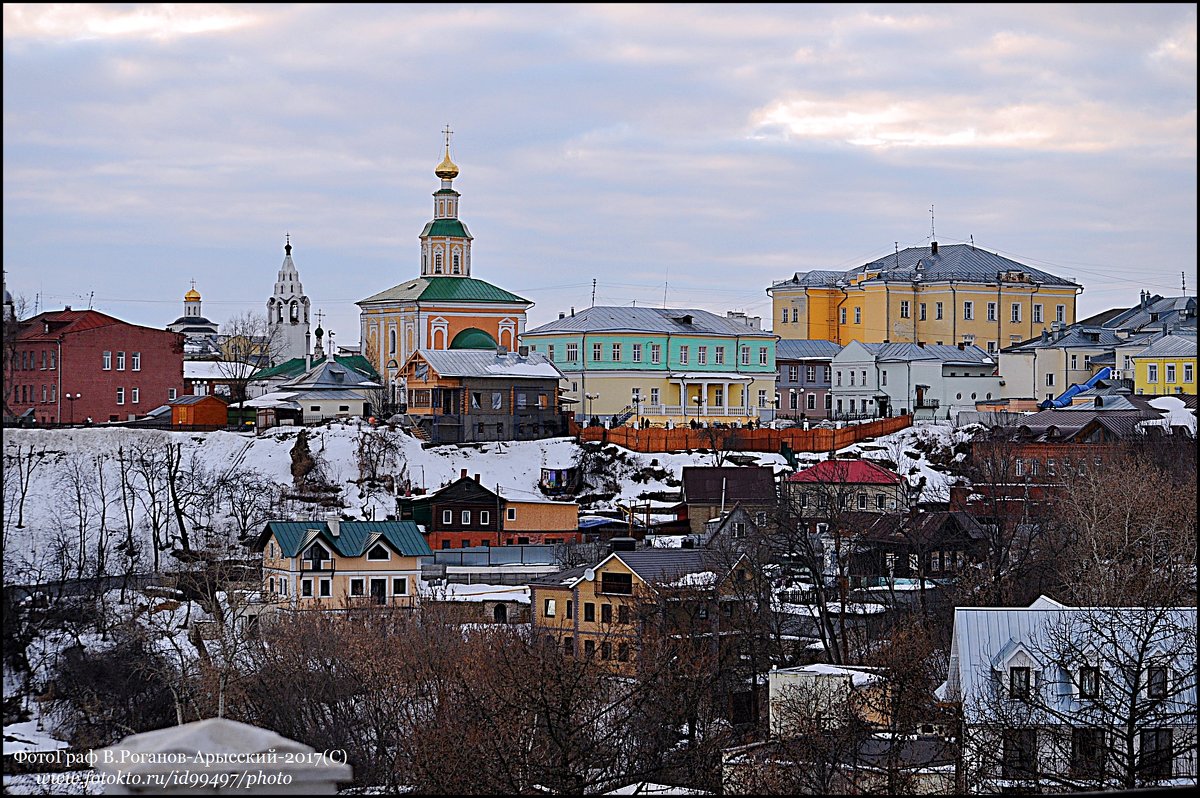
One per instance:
[(473, 338), (446, 289), (451, 228)]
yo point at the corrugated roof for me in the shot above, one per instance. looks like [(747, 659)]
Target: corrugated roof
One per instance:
[(907, 352), (194, 400), (1170, 346), (352, 539), (295, 367), (846, 471), (665, 320), (482, 363), (1075, 337), (445, 289), (751, 484), (448, 228), (329, 375), (808, 349)]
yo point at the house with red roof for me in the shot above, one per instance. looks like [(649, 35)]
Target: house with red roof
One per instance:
[(68, 366), (845, 485)]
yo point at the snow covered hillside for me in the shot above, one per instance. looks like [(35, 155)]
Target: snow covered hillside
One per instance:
[(75, 496)]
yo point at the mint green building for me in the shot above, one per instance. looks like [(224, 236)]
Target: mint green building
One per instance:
[(662, 363)]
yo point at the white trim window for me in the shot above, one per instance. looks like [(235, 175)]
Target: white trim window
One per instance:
[(466, 517), (106, 359), (968, 310), (135, 361), (447, 517), (306, 588), (120, 396), (378, 552), (484, 517), (325, 588), (120, 361), (358, 587), (399, 585)]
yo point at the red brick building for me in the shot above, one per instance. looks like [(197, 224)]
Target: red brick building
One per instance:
[(71, 365)]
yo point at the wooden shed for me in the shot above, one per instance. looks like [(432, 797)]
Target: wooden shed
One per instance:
[(211, 411)]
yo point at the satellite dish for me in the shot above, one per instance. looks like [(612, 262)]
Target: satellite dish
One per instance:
[(590, 574)]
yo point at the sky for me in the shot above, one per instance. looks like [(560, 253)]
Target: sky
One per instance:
[(690, 155)]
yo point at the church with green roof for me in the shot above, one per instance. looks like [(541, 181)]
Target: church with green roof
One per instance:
[(444, 308)]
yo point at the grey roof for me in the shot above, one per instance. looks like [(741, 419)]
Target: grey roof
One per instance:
[(751, 484), (485, 363), (1170, 346), (984, 638), (663, 320), (194, 400), (331, 375), (1075, 337), (807, 349), (1156, 310), (952, 262), (655, 566), (906, 352)]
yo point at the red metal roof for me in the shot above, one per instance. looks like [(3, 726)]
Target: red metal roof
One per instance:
[(837, 471)]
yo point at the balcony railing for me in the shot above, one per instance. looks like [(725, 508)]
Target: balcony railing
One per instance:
[(322, 566)]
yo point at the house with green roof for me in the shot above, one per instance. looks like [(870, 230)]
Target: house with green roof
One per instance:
[(333, 564), (445, 307)]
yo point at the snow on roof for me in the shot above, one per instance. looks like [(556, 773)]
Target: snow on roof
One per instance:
[(651, 788), (696, 579), (858, 676), (477, 592)]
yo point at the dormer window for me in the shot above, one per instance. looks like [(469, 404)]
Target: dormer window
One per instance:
[(1018, 683), (378, 552)]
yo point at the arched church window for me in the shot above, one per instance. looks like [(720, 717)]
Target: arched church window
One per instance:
[(295, 313), (456, 266), (437, 263), (279, 308), (392, 341)]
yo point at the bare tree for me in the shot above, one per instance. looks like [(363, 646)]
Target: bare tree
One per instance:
[(248, 345)]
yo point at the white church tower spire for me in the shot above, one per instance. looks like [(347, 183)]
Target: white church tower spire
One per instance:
[(287, 312)]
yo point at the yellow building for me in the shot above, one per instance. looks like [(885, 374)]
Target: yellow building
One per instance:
[(444, 308), (335, 564), (940, 295), (1167, 366)]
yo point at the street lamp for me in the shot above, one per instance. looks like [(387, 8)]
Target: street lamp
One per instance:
[(637, 408), (71, 403), (699, 400), (591, 397)]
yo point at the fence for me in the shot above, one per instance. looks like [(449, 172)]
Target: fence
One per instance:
[(659, 439)]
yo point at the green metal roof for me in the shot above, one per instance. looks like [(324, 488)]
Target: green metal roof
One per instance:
[(295, 367), (452, 228), (445, 289), (446, 191), (473, 338), (403, 536)]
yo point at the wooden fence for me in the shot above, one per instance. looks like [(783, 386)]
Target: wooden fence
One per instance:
[(660, 439)]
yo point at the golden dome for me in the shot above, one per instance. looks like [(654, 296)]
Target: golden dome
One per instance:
[(446, 170), (191, 295)]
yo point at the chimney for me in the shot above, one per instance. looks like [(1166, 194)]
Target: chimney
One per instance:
[(501, 351), (477, 478), (1045, 336), (334, 523), (562, 315), (462, 474), (523, 351), (572, 312), (66, 308), (962, 346), (934, 247)]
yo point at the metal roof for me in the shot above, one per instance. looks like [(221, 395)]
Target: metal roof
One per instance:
[(330, 375), (652, 320), (484, 363), (352, 539), (705, 484), (1170, 346), (807, 349), (907, 352), (445, 289)]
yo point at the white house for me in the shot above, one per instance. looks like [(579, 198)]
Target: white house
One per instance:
[(1071, 698), (929, 380)]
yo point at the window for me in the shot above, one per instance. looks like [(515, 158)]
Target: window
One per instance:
[(589, 611), (1151, 372), (991, 312), (795, 315), (839, 378), (1074, 362), (905, 312), (851, 376), (843, 316), (1018, 683), (485, 517), (883, 377), (171, 393), (120, 361), (605, 613), (968, 310), (135, 361), (702, 355), (606, 650), (572, 352), (762, 356), (306, 588), (922, 313), (937, 308), (784, 320), (655, 354), (358, 587), (828, 374), (618, 583), (1154, 761), (862, 501), (683, 354), (447, 517), (1016, 312), (569, 610), (858, 315), (107, 358), (623, 652), (589, 648), (793, 373), (637, 353), (616, 353), (762, 398), (1156, 681), (466, 517), (120, 396), (378, 552), (399, 586), (745, 356), (1087, 752), (1019, 753), (1187, 372), (597, 351), (1049, 380), (653, 396), (549, 352), (512, 513), (1170, 372), (548, 608), (1060, 313), (1089, 681), (812, 401), (326, 588), (134, 395), (497, 400)]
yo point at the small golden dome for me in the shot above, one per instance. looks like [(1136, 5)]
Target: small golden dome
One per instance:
[(191, 295), (446, 170)]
